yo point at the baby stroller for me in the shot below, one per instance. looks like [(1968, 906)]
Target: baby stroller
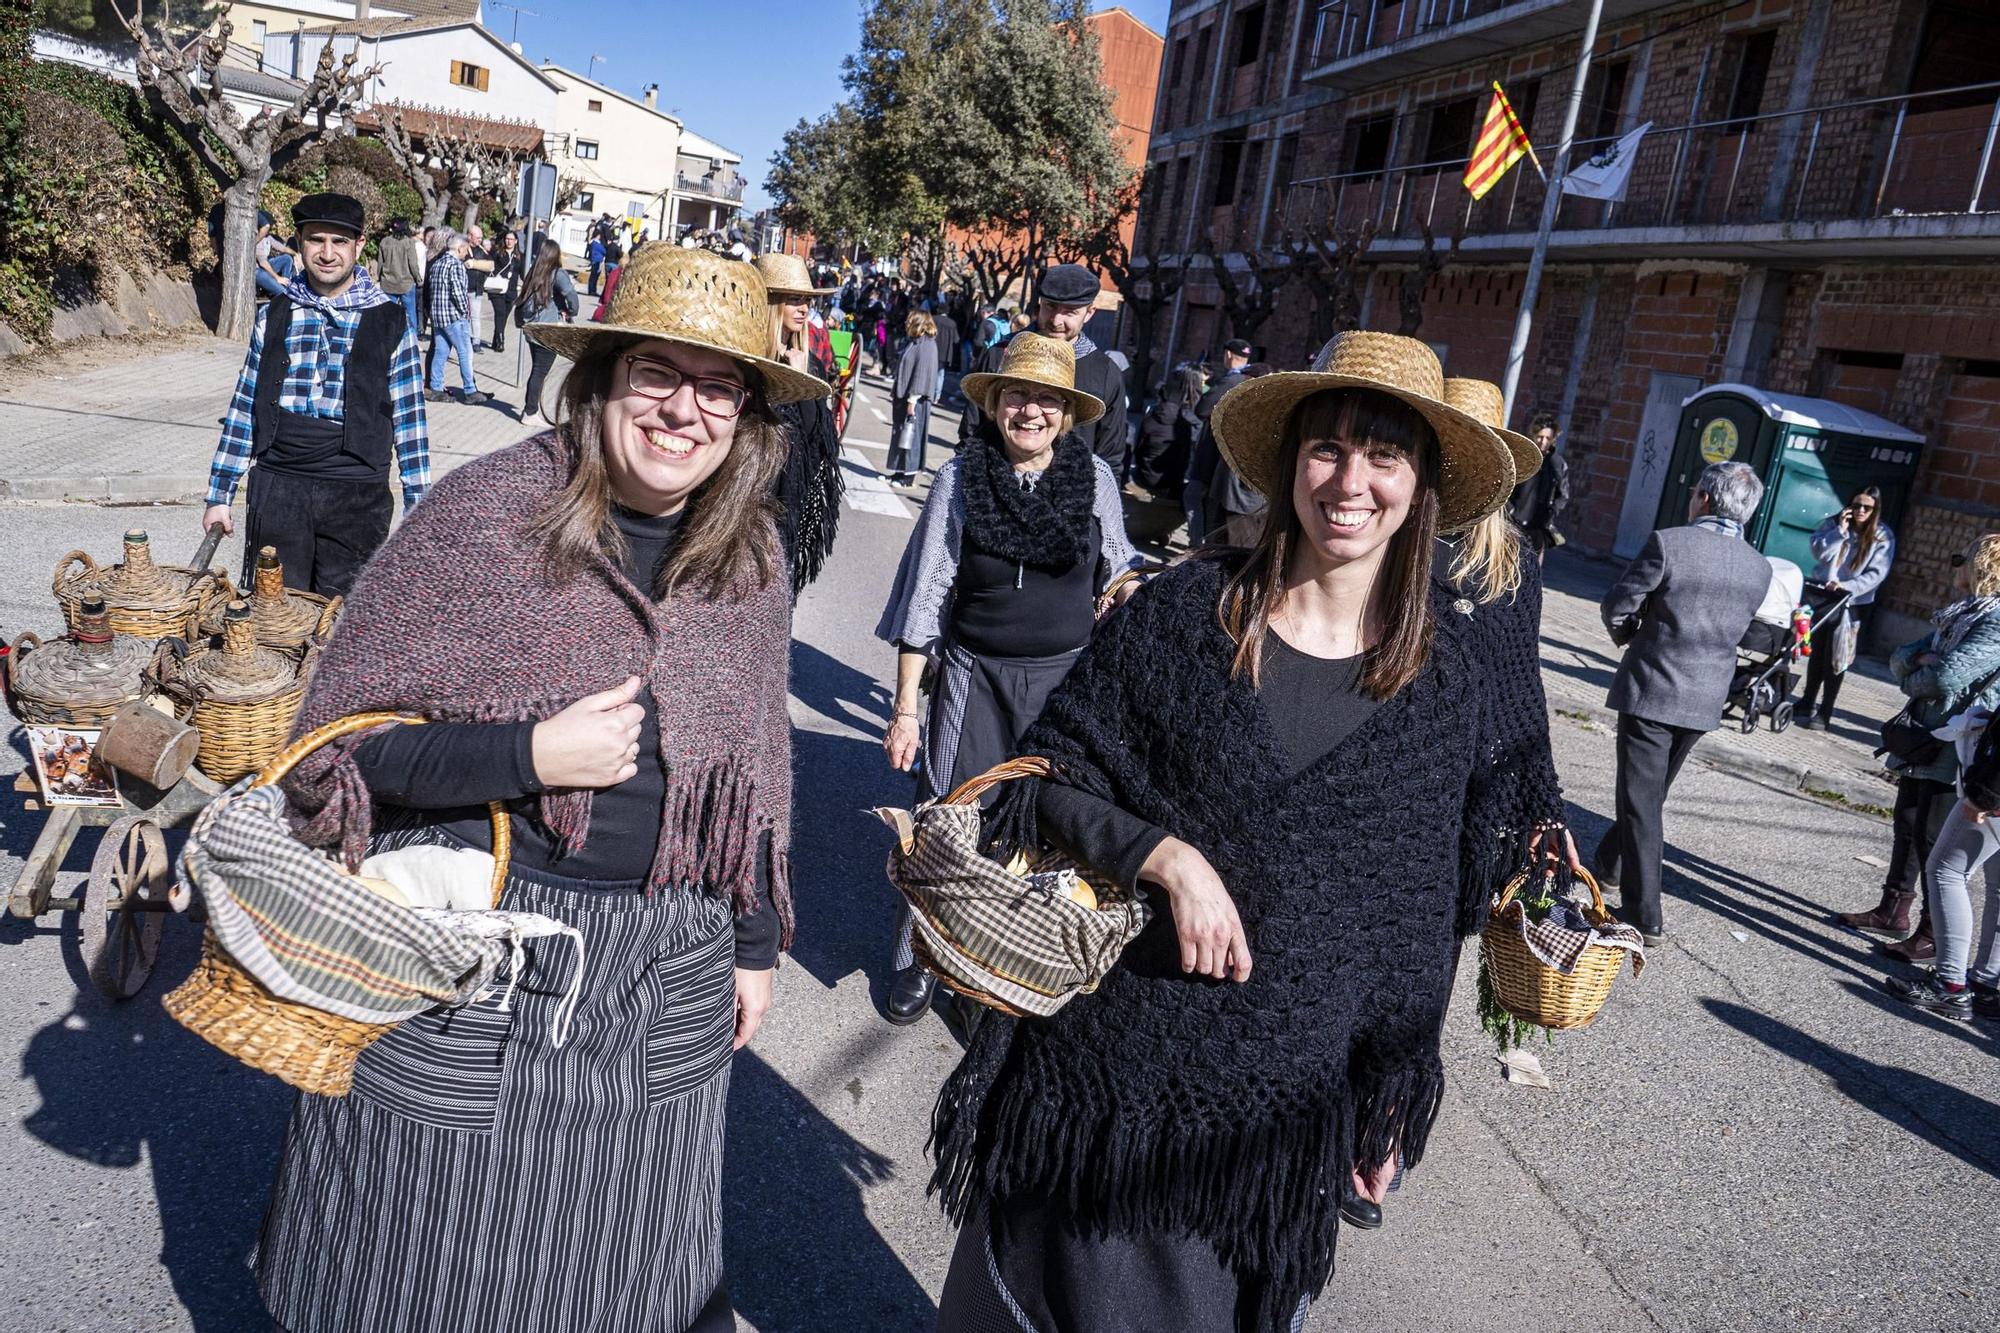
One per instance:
[(1764, 679)]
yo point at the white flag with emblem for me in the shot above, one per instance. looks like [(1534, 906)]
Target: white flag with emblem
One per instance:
[(1604, 176)]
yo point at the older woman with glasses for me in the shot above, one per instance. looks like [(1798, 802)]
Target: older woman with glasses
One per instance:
[(998, 585), (596, 624)]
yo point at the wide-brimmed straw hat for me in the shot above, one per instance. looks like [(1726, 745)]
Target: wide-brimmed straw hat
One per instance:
[(787, 275), (1483, 401), (1032, 358), (695, 298), (1475, 467)]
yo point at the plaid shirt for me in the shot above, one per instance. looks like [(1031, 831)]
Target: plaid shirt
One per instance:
[(450, 291), (316, 347)]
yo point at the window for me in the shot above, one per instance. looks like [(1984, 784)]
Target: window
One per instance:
[(593, 105), (1604, 100), (1960, 47), (1178, 69), (1228, 166), (1253, 161), (1524, 95), (586, 201), (1249, 35), (1286, 167), (586, 149), (1181, 187), (1451, 129), (469, 76), (1753, 70), (1368, 143), (258, 27), (1200, 68)]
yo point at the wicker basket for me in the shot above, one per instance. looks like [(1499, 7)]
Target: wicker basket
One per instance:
[(1533, 991), (78, 681), (225, 1006), (145, 600), (285, 617), (242, 697)]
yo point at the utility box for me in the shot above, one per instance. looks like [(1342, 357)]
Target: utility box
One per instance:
[(1812, 455)]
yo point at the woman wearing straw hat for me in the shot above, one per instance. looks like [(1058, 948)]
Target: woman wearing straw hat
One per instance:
[(1289, 745), (809, 488), (596, 623), (998, 585)]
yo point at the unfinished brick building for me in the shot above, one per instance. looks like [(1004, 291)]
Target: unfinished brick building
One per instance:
[(1816, 210)]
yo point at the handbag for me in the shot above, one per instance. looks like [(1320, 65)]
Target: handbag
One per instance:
[(1024, 938), (496, 285), (1908, 741)]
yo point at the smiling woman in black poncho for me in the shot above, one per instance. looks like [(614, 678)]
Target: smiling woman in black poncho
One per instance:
[(1291, 748)]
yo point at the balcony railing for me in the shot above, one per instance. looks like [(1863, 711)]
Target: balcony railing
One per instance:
[(712, 187), (1924, 153), (1346, 28)]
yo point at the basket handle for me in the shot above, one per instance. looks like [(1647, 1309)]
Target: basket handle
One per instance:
[(326, 617), (57, 580), (17, 651), (1515, 884), (1027, 766), (292, 755)]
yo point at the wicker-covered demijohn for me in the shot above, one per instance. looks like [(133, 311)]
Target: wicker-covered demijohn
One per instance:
[(143, 599), (1529, 988), (285, 618), (79, 680), (242, 696)]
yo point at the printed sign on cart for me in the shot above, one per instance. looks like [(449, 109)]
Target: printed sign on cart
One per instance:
[(67, 766)]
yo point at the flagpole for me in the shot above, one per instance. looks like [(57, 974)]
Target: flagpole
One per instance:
[(1517, 350)]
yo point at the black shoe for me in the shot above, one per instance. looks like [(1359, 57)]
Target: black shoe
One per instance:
[(1986, 1002), (910, 995), (474, 399), (899, 478), (1359, 1212), (1815, 723), (1931, 995)]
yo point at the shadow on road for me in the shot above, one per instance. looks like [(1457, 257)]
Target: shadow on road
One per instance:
[(800, 1250), (1948, 1118), (845, 907), (124, 1086)]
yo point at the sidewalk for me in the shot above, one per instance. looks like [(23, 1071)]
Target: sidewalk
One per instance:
[(145, 428), (1579, 659)]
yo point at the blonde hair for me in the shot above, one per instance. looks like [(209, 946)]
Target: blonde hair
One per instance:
[(920, 325), (782, 337), (1488, 563), (1985, 561)]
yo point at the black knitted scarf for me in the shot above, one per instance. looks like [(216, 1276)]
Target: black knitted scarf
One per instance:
[(1165, 1103), (811, 485), (1046, 527)]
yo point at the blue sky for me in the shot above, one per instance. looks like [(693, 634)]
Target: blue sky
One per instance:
[(740, 72)]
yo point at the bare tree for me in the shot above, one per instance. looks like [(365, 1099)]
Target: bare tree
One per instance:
[(449, 164), (1247, 307), (998, 261), (1148, 287), (569, 189), (1430, 262), (1328, 260), (241, 155)]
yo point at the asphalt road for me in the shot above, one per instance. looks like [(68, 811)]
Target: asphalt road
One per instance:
[(1751, 1138)]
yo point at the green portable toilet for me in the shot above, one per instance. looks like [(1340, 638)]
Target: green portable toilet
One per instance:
[(1811, 453)]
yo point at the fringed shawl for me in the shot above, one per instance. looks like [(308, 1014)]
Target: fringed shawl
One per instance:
[(811, 485), (1164, 1102), (457, 618)]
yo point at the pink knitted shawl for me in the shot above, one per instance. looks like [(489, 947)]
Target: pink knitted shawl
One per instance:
[(457, 618)]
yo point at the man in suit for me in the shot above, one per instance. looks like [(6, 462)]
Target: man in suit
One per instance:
[(1679, 611), (1064, 300), (1206, 470)]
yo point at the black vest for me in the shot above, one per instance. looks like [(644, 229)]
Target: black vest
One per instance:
[(367, 413)]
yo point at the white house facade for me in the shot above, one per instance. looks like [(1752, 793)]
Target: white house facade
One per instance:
[(622, 153), (449, 64), (708, 186)]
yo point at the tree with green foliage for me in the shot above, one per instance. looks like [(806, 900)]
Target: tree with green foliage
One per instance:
[(241, 155)]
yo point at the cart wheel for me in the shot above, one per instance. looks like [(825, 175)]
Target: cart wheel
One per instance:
[(1748, 722), (121, 940), (1781, 716)]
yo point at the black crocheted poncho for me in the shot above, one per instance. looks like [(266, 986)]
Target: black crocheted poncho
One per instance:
[(810, 486), (1233, 1112)]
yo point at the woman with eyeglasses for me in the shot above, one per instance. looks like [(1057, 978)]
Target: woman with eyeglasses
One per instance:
[(998, 587), (1854, 550), (596, 624)]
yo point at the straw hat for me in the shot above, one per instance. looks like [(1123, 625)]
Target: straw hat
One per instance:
[(1475, 471), (787, 275), (1031, 358), (697, 299), (1483, 402)]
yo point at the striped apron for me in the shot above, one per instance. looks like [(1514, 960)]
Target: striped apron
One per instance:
[(477, 1180)]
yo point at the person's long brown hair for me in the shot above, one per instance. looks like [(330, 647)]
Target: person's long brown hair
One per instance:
[(1866, 534), (539, 288), (729, 538), (1256, 592)]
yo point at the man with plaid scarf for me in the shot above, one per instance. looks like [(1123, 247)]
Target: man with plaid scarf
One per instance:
[(315, 424)]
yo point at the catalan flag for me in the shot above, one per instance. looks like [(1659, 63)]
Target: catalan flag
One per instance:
[(1502, 143)]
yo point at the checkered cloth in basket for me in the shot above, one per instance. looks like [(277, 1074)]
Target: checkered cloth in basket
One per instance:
[(988, 933), (314, 935), (1560, 938)]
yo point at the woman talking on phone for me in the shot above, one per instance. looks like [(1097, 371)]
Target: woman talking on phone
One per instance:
[(1854, 550)]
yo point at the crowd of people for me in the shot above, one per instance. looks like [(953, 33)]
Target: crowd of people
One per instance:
[(1342, 672)]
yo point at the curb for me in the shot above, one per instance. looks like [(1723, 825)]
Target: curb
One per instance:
[(101, 488), (1851, 789)]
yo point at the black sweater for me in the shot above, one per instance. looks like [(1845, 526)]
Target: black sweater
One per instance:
[(453, 769)]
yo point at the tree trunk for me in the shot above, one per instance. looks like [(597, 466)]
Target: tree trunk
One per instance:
[(238, 310)]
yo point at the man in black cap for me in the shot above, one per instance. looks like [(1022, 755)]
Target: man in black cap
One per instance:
[(1064, 299), (317, 422), (1208, 476)]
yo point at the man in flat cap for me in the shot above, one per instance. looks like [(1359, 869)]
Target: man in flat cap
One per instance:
[(317, 423), (1064, 299)]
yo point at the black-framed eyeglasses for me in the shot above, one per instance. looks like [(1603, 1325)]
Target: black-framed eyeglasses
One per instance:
[(650, 377)]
